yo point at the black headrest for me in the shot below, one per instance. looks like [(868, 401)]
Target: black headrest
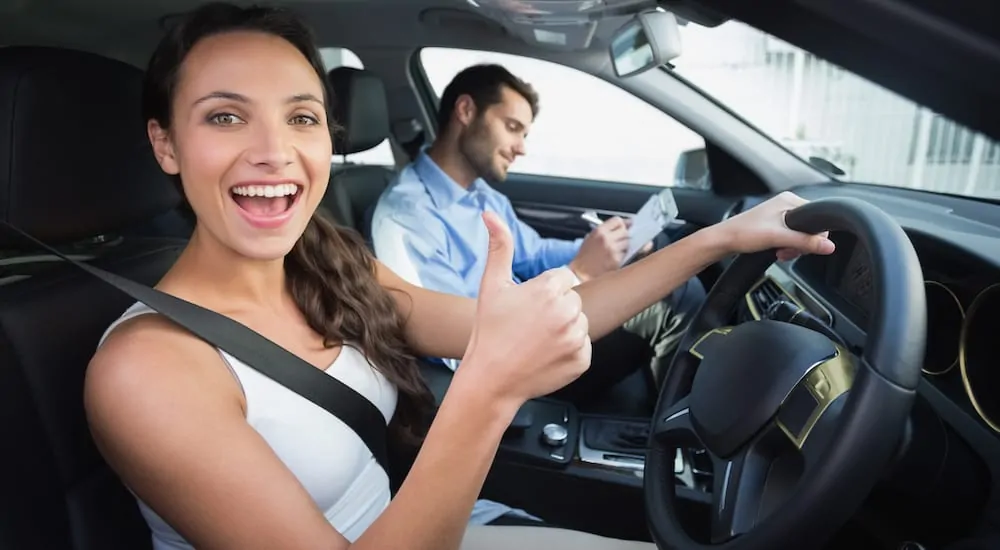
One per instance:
[(360, 107), (75, 161)]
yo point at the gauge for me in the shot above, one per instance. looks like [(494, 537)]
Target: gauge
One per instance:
[(978, 352), (944, 328)]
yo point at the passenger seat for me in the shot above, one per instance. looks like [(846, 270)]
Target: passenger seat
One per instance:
[(361, 109), (76, 170)]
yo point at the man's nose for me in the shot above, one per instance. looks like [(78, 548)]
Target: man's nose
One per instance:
[(272, 145), (519, 148)]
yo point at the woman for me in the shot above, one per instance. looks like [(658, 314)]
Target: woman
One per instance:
[(221, 457)]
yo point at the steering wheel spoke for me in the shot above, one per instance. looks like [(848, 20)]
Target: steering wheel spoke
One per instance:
[(740, 485), (815, 446), (674, 427)]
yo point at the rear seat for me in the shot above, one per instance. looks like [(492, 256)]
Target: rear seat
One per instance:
[(76, 169)]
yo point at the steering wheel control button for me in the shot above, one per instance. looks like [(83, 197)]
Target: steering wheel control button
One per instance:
[(554, 435), (743, 381)]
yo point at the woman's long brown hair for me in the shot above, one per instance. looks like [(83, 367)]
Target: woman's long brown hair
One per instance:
[(331, 275), (330, 271)]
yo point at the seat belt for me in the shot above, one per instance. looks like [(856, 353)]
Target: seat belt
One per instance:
[(253, 349)]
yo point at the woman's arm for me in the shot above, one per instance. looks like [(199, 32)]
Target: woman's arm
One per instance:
[(439, 324)]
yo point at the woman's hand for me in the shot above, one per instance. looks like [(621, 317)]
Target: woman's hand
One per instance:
[(528, 340), (763, 227)]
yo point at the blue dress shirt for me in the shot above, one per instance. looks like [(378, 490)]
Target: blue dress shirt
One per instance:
[(429, 230)]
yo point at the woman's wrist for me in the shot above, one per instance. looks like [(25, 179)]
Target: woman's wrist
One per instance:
[(469, 387), (718, 240)]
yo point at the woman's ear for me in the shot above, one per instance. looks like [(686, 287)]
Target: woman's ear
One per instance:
[(163, 148)]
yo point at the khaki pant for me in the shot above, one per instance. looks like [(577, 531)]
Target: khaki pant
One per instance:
[(489, 537), (650, 338)]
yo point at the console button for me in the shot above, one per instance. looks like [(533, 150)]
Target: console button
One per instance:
[(554, 435)]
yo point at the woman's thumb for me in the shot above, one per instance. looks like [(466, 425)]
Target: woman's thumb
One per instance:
[(500, 258)]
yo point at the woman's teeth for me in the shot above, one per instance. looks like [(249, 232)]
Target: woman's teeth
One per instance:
[(282, 190)]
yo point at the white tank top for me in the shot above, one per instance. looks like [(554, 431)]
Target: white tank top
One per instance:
[(328, 458)]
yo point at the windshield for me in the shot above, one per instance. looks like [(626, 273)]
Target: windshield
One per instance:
[(817, 109)]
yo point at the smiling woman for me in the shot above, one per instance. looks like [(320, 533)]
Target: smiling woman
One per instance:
[(220, 456)]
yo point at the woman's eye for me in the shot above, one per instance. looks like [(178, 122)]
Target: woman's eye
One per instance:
[(225, 119), (304, 120)]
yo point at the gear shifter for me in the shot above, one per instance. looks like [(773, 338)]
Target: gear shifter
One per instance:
[(787, 312)]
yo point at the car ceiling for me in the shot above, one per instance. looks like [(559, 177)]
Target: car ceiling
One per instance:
[(943, 55), (128, 29)]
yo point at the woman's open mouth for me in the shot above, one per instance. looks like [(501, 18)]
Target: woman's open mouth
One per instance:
[(266, 206)]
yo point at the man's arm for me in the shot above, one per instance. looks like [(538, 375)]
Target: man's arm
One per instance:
[(414, 253), (420, 266), (533, 254)]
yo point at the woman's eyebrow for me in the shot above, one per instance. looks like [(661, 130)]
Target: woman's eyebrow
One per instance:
[(233, 96), (304, 97), (220, 94)]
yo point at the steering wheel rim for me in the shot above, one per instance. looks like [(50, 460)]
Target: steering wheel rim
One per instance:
[(858, 430)]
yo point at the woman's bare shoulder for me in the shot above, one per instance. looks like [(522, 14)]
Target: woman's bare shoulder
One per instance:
[(166, 414), (149, 358)]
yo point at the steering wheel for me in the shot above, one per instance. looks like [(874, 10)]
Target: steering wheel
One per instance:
[(797, 427)]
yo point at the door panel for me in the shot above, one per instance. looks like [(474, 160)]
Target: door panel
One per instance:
[(553, 205)]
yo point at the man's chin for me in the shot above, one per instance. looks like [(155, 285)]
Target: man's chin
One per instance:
[(497, 176)]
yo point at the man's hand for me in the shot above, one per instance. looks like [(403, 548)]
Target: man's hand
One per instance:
[(602, 251)]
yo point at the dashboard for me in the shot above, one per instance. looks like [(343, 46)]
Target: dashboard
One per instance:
[(963, 307), (957, 242)]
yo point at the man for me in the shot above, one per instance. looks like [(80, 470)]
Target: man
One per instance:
[(427, 224)]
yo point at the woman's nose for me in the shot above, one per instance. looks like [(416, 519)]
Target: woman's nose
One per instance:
[(272, 145)]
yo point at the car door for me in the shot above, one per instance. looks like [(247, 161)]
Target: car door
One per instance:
[(596, 148)]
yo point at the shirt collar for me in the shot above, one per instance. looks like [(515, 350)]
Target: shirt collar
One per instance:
[(444, 191)]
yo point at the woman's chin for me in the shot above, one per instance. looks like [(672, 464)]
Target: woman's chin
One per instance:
[(266, 250)]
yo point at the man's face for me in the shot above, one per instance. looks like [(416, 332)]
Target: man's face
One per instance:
[(495, 136)]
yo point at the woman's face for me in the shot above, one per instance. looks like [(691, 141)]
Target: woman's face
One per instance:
[(250, 140)]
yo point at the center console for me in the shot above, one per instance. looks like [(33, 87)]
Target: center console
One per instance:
[(554, 435), (567, 467)]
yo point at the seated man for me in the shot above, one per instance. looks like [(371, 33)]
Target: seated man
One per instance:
[(427, 225)]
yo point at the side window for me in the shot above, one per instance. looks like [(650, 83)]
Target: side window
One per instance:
[(380, 154), (586, 128)]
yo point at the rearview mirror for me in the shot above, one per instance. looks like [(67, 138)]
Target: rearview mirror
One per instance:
[(648, 40)]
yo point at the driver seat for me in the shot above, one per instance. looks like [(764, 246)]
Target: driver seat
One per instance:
[(77, 172), (360, 107)]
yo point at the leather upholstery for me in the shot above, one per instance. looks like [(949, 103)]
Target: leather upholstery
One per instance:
[(354, 190), (361, 108), (71, 138)]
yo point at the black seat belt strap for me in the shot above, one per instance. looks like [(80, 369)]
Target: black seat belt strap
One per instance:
[(256, 351)]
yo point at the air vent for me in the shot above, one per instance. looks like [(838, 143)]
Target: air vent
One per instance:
[(763, 295)]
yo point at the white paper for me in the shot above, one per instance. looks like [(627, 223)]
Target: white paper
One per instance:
[(658, 212)]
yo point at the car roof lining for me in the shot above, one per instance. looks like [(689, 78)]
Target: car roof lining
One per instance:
[(943, 56)]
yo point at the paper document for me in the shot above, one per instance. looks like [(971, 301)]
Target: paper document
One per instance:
[(658, 212)]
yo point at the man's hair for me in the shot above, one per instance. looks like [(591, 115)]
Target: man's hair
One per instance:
[(484, 83)]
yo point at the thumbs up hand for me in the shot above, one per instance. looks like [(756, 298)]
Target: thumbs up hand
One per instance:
[(529, 339)]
